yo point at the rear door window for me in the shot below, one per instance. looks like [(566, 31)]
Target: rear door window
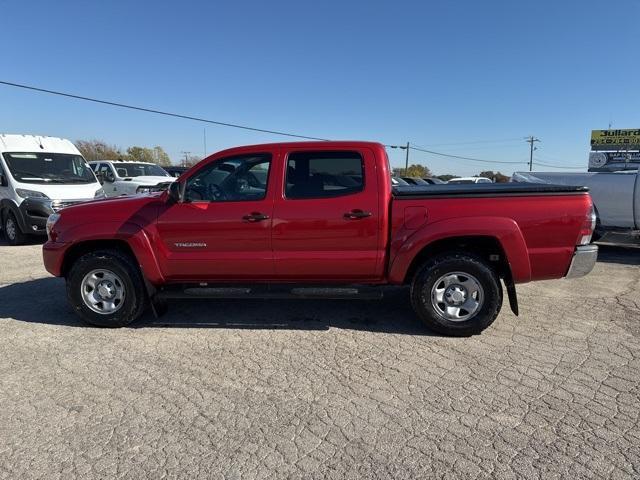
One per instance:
[(324, 174)]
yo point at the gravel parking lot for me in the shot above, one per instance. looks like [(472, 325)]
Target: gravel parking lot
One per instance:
[(322, 389)]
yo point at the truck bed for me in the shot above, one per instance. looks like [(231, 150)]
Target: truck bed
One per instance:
[(545, 218), (485, 189)]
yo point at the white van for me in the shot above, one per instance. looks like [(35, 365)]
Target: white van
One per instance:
[(38, 177)]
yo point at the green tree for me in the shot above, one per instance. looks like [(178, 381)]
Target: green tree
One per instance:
[(414, 170), (155, 155), (446, 177), (99, 150), (495, 176)]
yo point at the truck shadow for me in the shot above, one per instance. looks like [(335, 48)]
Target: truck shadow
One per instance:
[(620, 254), (44, 301), (33, 240)]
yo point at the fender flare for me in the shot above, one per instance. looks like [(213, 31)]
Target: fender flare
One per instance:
[(8, 205), (131, 233), (505, 230)]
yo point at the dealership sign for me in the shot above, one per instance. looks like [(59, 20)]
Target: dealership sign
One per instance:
[(607, 161), (628, 139)]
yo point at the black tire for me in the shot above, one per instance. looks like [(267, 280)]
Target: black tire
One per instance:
[(12, 231), (125, 268), (598, 233), (433, 270)]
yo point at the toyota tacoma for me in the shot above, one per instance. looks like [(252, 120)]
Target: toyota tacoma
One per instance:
[(319, 219)]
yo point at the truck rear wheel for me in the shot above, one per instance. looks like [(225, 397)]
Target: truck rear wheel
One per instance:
[(106, 288), (456, 294)]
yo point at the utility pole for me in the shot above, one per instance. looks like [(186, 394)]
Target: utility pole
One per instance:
[(204, 136), (406, 161), (406, 158), (186, 158), (530, 140)]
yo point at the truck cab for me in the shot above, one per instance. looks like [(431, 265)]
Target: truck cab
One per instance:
[(39, 176)]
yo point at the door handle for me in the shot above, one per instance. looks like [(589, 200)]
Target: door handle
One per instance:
[(356, 214), (255, 217)]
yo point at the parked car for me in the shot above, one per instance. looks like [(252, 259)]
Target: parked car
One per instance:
[(434, 181), (616, 195), (397, 181), (469, 180), (284, 220), (415, 181), (175, 171), (130, 178), (39, 176)]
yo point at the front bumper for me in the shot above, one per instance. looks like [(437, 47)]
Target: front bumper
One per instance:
[(583, 261), (53, 257), (34, 213)]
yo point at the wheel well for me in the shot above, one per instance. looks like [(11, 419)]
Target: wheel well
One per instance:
[(487, 248), (81, 248)]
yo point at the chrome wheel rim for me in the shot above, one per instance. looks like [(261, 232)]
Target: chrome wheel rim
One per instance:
[(103, 291), (11, 228), (457, 296)]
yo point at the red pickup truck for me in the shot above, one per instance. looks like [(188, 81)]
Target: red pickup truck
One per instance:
[(317, 219)]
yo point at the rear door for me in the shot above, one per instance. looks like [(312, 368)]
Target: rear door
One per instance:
[(223, 229), (326, 216)]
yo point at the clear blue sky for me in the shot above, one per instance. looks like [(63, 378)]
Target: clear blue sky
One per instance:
[(432, 73)]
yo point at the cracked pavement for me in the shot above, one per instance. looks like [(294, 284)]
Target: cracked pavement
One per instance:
[(322, 389)]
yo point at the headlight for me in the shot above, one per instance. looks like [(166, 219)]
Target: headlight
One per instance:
[(29, 193), (51, 221), (99, 193), (143, 190)]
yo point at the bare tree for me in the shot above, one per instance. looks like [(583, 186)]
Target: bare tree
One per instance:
[(99, 150)]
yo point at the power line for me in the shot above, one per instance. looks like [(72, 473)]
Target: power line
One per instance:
[(474, 142), (464, 149), (542, 164), (464, 158), (159, 112), (406, 147), (544, 159)]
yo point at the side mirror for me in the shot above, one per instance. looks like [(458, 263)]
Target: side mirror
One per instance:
[(3, 180), (100, 177), (176, 192)]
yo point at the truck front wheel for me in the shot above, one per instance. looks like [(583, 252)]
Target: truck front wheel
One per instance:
[(106, 288), (456, 294)]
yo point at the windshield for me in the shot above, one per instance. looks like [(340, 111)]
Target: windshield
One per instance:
[(39, 167), (127, 169)]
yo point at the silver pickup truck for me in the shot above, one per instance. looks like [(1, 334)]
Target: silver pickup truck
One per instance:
[(616, 196)]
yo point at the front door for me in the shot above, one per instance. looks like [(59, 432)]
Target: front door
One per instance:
[(222, 230), (326, 218)]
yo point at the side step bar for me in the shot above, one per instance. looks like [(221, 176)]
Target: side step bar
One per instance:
[(270, 291)]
